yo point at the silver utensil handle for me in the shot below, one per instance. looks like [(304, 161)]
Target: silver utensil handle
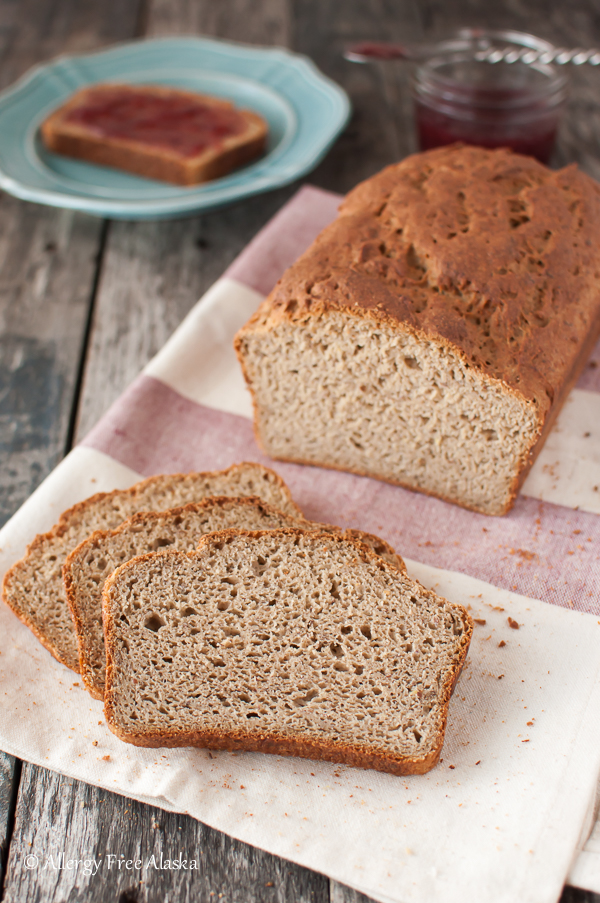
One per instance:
[(560, 56), (371, 51)]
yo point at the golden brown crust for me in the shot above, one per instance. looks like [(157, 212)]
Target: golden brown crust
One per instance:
[(342, 753), (84, 670), (74, 140)]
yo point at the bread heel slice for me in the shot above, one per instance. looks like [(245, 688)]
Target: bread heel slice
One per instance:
[(283, 641)]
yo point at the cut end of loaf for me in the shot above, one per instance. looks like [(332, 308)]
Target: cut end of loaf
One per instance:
[(298, 644), (356, 393)]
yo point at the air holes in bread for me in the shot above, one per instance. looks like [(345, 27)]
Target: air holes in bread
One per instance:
[(160, 542), (154, 622)]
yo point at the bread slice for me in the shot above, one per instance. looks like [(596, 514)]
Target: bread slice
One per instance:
[(285, 642), (94, 560), (33, 587), (157, 132)]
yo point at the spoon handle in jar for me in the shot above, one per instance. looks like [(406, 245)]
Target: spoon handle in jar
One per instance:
[(367, 51)]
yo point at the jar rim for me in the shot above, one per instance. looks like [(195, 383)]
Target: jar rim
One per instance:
[(428, 80)]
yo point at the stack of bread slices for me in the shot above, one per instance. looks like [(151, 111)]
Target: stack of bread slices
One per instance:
[(207, 611)]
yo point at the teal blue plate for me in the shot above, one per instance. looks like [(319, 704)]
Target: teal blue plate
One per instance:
[(304, 109)]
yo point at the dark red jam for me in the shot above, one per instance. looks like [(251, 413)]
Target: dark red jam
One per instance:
[(464, 99), (493, 128), (172, 121)]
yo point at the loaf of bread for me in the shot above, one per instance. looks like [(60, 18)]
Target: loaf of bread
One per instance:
[(431, 333), (286, 642), (94, 560), (161, 133), (33, 587)]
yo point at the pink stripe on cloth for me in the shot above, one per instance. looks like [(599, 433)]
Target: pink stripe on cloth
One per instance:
[(539, 550), (284, 239)]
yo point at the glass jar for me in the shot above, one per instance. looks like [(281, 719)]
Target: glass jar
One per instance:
[(459, 96)]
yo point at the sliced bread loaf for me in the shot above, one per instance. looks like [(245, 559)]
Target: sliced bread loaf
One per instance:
[(94, 560), (430, 334), (33, 587), (284, 642)]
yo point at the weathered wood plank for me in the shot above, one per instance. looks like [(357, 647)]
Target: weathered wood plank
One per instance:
[(9, 771), (250, 21), (57, 816), (575, 895), (339, 893), (36, 30), (47, 269)]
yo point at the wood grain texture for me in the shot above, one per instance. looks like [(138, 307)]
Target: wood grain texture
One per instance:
[(339, 893), (575, 895), (36, 30), (377, 133), (250, 21), (47, 269), (9, 773), (57, 816)]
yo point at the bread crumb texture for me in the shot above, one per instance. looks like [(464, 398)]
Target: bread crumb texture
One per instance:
[(94, 560), (294, 643), (33, 587), (427, 333)]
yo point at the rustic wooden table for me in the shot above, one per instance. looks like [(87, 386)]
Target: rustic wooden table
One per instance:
[(84, 304)]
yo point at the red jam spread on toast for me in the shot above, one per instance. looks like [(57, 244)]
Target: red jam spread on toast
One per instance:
[(176, 122)]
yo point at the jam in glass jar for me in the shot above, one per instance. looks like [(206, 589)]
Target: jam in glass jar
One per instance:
[(460, 96)]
